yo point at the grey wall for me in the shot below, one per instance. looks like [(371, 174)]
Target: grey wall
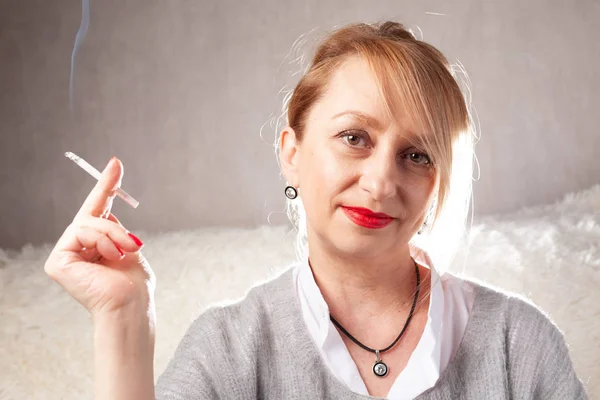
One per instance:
[(179, 91)]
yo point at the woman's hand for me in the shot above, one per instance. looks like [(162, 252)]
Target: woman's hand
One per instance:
[(96, 260)]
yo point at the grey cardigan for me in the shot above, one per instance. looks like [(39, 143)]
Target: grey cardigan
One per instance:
[(260, 348)]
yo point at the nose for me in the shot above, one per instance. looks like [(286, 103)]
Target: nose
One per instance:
[(379, 175)]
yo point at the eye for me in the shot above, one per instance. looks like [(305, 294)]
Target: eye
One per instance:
[(418, 158), (353, 139)]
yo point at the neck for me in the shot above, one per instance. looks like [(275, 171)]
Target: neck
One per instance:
[(366, 288)]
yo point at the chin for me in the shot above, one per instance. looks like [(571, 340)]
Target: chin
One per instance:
[(355, 244), (365, 242)]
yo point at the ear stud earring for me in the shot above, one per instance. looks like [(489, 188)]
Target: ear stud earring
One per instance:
[(291, 192)]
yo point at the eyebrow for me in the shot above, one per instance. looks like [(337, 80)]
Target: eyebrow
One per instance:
[(367, 119), (376, 124)]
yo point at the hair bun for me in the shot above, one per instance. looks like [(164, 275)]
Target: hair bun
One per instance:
[(395, 30)]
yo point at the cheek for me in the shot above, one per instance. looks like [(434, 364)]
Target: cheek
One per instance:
[(326, 176), (418, 194), (325, 170)]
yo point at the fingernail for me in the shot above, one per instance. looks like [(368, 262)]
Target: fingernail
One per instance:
[(135, 239), (120, 251)]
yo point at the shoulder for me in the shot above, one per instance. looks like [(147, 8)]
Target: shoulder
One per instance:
[(253, 308), (536, 355), (524, 319), (221, 345), (522, 322), (519, 311)]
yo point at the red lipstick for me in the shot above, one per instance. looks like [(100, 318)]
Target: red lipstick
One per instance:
[(367, 218)]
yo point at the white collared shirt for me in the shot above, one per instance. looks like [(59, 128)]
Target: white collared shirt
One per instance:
[(449, 309)]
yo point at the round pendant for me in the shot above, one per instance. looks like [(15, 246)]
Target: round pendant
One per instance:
[(380, 369)]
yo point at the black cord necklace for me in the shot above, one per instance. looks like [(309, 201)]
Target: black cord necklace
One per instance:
[(380, 368)]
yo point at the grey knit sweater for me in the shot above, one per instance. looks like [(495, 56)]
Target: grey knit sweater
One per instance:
[(260, 348)]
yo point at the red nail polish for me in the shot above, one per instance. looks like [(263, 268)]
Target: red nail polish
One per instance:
[(135, 239), (120, 251)]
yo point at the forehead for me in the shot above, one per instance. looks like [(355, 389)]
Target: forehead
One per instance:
[(354, 90), (353, 86)]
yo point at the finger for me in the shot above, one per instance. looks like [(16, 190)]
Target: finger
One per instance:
[(113, 218), (91, 255), (91, 245), (108, 207), (92, 239), (99, 201), (113, 230)]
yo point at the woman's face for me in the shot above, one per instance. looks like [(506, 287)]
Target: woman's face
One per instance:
[(353, 156)]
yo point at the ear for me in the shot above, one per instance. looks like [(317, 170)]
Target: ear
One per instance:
[(288, 155)]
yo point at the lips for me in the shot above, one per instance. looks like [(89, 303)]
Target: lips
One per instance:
[(367, 218)]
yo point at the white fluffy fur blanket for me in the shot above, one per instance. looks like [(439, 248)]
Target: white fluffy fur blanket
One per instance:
[(550, 254)]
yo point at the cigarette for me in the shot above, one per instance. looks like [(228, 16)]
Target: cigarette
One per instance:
[(94, 172)]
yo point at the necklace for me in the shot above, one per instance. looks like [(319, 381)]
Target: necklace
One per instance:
[(380, 368)]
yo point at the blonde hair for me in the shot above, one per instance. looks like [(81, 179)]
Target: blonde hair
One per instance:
[(412, 75)]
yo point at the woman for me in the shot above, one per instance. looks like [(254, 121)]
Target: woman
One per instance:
[(377, 154)]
